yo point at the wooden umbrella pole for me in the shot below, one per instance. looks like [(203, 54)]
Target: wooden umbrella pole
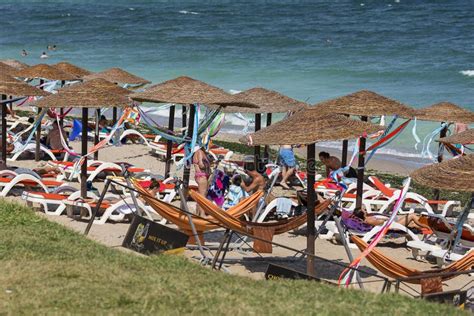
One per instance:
[(311, 201), (266, 150), (4, 133), (442, 133), (187, 169), (38, 132), (258, 126), (84, 153), (360, 169), (345, 145), (114, 115), (169, 143), (96, 132), (184, 120), (61, 110)]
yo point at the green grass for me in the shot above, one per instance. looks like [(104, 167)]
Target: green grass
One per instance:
[(48, 269)]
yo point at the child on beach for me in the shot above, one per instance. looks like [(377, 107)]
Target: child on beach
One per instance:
[(236, 193)]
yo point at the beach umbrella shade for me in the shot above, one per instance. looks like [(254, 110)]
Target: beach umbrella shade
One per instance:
[(7, 69), (444, 112), (267, 101), (14, 63), (463, 138), (118, 76), (96, 93), (308, 127), (187, 92), (44, 71), (72, 69), (454, 175), (365, 104), (9, 86)]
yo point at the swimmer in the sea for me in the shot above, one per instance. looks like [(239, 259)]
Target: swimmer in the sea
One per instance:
[(44, 55)]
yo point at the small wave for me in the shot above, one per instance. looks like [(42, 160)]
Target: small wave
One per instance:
[(232, 91), (188, 12), (469, 73), (131, 9)]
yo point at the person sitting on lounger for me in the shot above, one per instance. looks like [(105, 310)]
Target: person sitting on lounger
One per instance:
[(202, 171), (258, 181), (333, 163), (10, 147), (104, 125), (408, 220), (53, 140), (236, 193)]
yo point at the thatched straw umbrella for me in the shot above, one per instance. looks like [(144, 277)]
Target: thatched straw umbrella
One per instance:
[(14, 63), (95, 93), (267, 101), (7, 69), (187, 92), (9, 86), (463, 138), (117, 76), (454, 175), (72, 69), (364, 104), (42, 72), (444, 112), (308, 127)]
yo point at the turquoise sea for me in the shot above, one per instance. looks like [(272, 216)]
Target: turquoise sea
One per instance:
[(419, 52)]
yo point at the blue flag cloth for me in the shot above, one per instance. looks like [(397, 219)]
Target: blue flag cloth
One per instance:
[(76, 130)]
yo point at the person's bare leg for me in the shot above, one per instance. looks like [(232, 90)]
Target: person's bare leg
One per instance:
[(408, 219), (202, 189), (286, 175)]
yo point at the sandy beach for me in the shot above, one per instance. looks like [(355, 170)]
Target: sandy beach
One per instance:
[(243, 261)]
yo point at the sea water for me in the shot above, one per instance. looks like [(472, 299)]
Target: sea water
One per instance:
[(418, 52)]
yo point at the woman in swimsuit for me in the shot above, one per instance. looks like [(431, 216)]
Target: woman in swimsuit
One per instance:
[(202, 171), (411, 220)]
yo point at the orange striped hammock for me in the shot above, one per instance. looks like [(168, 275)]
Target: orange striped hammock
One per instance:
[(180, 218), (263, 231), (393, 269)]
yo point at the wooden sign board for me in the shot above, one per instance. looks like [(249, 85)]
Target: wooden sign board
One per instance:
[(147, 237), (276, 272), (457, 298)]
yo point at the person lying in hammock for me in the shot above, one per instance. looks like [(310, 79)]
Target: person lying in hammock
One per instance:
[(411, 220)]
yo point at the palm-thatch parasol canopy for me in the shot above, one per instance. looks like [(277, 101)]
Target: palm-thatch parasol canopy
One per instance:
[(44, 71), (365, 103), (445, 112), (14, 63), (185, 90), (117, 75), (96, 93), (13, 87), (456, 174), (7, 69), (72, 69), (267, 101), (309, 127), (463, 138)]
